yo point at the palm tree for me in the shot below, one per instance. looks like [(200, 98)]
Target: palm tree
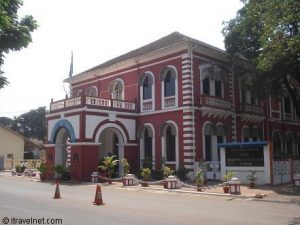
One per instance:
[(108, 164)]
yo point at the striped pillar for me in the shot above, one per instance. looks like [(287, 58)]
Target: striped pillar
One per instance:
[(188, 113), (232, 98)]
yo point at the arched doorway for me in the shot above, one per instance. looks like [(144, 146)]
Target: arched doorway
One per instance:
[(112, 143), (62, 147)]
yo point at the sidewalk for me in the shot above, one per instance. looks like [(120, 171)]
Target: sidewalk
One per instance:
[(285, 193)]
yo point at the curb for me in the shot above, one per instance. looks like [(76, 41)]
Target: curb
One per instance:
[(190, 192)]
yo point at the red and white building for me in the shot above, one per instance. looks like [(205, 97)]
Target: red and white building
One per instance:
[(169, 102)]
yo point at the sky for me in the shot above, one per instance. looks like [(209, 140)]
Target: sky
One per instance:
[(97, 31)]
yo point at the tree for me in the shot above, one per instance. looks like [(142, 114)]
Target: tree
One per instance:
[(267, 33), (15, 33), (6, 122), (31, 124)]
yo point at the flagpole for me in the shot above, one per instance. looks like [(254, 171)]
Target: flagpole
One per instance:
[(71, 71)]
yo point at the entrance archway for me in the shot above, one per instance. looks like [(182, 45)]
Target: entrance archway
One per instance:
[(112, 143), (62, 147)]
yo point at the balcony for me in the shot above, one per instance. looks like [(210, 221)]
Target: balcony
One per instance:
[(92, 102), (288, 117), (215, 102), (147, 105), (252, 109)]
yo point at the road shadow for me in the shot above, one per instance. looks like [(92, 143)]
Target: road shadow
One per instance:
[(294, 221)]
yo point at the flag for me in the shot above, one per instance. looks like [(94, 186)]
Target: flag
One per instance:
[(71, 66)]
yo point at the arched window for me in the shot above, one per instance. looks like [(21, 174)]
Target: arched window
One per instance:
[(146, 83), (169, 84), (76, 93), (147, 88), (206, 86), (212, 80), (117, 89), (169, 87), (91, 91), (147, 140), (170, 145), (246, 134), (169, 135)]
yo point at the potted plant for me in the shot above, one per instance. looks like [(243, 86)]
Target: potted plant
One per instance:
[(59, 170), (126, 166), (146, 173), (252, 178), (229, 174), (108, 165), (43, 169), (199, 180), (18, 170)]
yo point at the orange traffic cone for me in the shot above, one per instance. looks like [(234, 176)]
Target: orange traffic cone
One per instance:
[(57, 192), (98, 196)]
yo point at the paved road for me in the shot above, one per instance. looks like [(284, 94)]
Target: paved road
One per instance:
[(21, 198)]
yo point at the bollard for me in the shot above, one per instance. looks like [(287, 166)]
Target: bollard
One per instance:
[(235, 186)]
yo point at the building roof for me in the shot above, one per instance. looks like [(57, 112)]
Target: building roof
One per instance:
[(169, 40)]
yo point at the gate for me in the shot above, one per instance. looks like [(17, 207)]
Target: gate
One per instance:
[(1, 162), (284, 171), (213, 170)]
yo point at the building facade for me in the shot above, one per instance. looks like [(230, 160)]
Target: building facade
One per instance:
[(11, 148), (167, 103)]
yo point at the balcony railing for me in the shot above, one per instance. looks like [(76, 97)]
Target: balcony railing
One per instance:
[(215, 102), (252, 109), (169, 101), (288, 117), (88, 101), (147, 105)]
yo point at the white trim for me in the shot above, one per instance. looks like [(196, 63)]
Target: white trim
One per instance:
[(188, 154), (188, 160), (188, 147), (84, 143), (188, 135), (188, 129), (188, 117), (126, 71), (188, 123), (187, 92), (187, 102), (110, 125), (188, 141), (187, 76), (187, 86), (49, 145)]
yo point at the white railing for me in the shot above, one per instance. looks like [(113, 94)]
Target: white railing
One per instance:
[(147, 106), (254, 109), (98, 101), (57, 105), (217, 102), (123, 105), (73, 102), (170, 101), (288, 116)]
